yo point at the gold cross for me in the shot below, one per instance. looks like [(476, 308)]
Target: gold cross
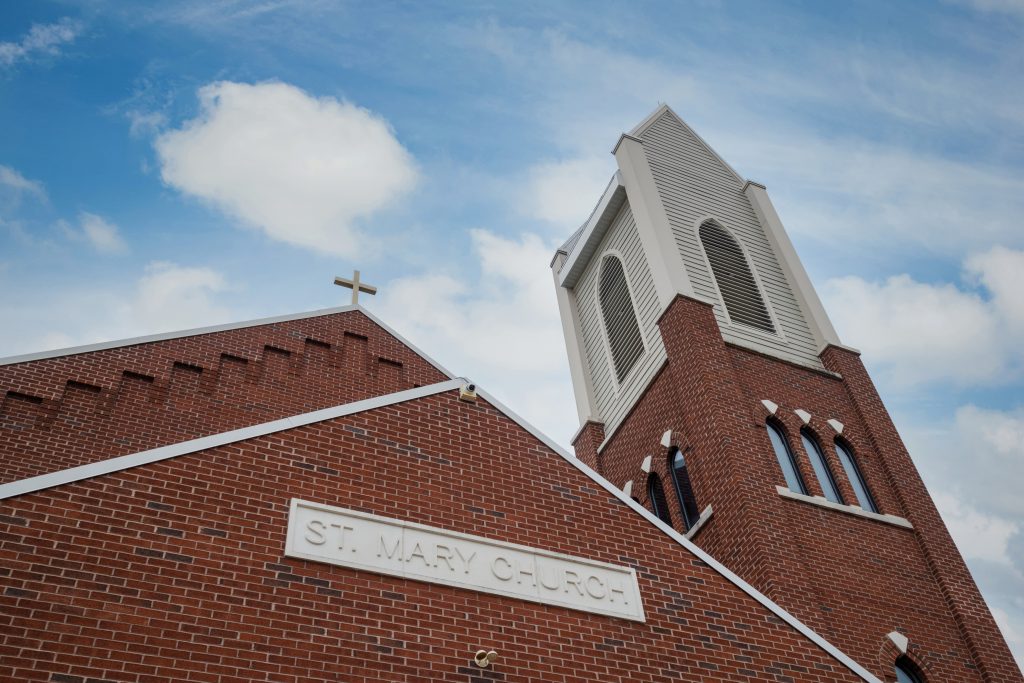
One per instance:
[(355, 285)]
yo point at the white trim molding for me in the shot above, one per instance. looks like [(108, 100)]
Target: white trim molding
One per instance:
[(579, 370), (124, 462), (792, 269), (701, 521), (652, 225), (840, 507)]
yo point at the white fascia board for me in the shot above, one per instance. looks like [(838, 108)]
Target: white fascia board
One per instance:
[(124, 462), (164, 336), (579, 371), (593, 232), (792, 268), (795, 623)]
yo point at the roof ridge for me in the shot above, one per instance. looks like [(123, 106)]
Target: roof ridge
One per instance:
[(224, 327)]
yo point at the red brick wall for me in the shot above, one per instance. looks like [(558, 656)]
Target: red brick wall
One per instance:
[(851, 579), (175, 570), (71, 410)]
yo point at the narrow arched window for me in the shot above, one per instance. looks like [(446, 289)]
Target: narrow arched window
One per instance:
[(820, 467), (786, 460), (740, 293), (906, 672), (860, 487), (683, 487), (656, 494), (619, 317)]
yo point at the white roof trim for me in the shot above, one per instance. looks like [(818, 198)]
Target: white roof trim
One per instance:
[(595, 229), (163, 336), (642, 127), (124, 462), (802, 628)]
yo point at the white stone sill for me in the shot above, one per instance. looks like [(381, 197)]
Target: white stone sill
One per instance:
[(701, 521), (848, 509)]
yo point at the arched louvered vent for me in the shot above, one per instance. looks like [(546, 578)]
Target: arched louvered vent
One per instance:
[(740, 294), (619, 317)]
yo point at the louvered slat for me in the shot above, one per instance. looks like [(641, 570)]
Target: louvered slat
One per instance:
[(619, 317), (740, 293)]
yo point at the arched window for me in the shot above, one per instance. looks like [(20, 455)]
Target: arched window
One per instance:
[(656, 494), (860, 487), (740, 294), (820, 467), (906, 672), (684, 490), (619, 317), (786, 460)]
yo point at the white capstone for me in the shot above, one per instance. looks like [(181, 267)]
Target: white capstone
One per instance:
[(646, 464), (772, 406), (836, 425), (666, 438), (900, 641), (628, 488), (803, 415)]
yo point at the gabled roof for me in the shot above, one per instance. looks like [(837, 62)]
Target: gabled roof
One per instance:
[(593, 231), (121, 463), (163, 336), (663, 109)]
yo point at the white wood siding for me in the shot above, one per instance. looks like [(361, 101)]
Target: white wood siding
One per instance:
[(694, 184), (614, 401)]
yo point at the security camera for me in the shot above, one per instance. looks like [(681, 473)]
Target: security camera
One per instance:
[(484, 659), (467, 393)]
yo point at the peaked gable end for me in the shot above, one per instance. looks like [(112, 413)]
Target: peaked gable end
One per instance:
[(68, 408)]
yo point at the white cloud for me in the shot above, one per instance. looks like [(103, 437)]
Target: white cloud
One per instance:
[(921, 333), (15, 182), (302, 169), (995, 6), (100, 234), (14, 186), (501, 328), (165, 297), (41, 39), (563, 193), (977, 535), (142, 122)]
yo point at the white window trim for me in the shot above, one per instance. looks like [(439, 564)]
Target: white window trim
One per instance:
[(699, 524), (609, 359), (848, 509), (768, 304)]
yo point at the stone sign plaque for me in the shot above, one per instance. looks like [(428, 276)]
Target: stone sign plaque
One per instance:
[(348, 538)]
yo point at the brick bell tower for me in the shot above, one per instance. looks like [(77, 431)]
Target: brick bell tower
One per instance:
[(713, 388)]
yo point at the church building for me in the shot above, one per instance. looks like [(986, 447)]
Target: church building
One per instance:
[(312, 498)]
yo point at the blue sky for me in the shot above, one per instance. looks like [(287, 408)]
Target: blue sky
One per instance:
[(167, 166)]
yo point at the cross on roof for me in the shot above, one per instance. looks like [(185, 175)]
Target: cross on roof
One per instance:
[(355, 285)]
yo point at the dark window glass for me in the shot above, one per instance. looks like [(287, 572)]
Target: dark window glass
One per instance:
[(656, 494), (820, 467), (684, 490), (619, 317), (786, 460), (735, 280), (860, 487), (906, 672)]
